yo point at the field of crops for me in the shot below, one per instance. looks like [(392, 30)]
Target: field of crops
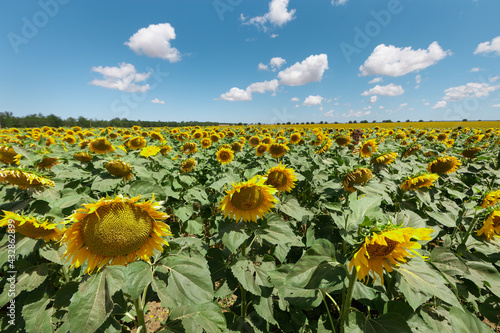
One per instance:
[(251, 229)]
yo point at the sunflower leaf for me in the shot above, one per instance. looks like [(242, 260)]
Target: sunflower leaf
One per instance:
[(463, 321), (201, 317)]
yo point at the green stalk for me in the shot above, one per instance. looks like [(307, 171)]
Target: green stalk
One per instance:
[(139, 308), (473, 224), (328, 311), (243, 306), (346, 306)]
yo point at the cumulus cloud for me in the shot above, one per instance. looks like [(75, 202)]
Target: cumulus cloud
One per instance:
[(157, 101), (439, 105), (310, 69), (339, 2), (236, 94), (295, 99), (494, 78), (489, 47), (278, 15), (313, 100), (398, 61), (496, 106), (373, 99), (263, 67), (418, 79), (356, 113), (154, 41), (388, 90), (471, 89), (274, 63), (475, 69), (402, 105), (124, 78), (376, 80), (329, 113)]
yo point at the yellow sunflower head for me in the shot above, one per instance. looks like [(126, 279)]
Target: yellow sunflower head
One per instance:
[(83, 157), (100, 146), (8, 155), (384, 159), (281, 178), (236, 147), (415, 183), (47, 163), (412, 150), (24, 179), (445, 164), (150, 151), (157, 136), (224, 155), (135, 143), (491, 226), (261, 149), (206, 142), (120, 169), (359, 176), (368, 148), (254, 141), (491, 199), (189, 148), (115, 231), (343, 140), (277, 150), (84, 144), (295, 138), (471, 152), (69, 139), (165, 149), (31, 227), (248, 200), (188, 165)]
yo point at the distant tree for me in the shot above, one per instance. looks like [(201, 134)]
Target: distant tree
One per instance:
[(374, 121), (363, 121), (465, 119), (420, 121), (408, 120), (350, 121), (354, 121)]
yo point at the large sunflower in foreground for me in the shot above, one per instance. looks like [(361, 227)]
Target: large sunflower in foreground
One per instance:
[(491, 199), (359, 176), (368, 148), (31, 227), (491, 226), (100, 146), (115, 231), (445, 164), (23, 179), (388, 248), (412, 184), (281, 178), (248, 200)]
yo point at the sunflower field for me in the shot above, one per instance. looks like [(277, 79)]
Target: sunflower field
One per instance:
[(251, 229)]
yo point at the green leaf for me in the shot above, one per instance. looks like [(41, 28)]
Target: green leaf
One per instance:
[(446, 219), (197, 193), (233, 234), (67, 201), (138, 277), (264, 308), (463, 321), (230, 178), (116, 276), (484, 275), (447, 262), (144, 188), (420, 282), (388, 323), (277, 231), (252, 276), (364, 207), (37, 317), (91, 305), (291, 207), (53, 252), (184, 213), (201, 317), (490, 308), (105, 184)]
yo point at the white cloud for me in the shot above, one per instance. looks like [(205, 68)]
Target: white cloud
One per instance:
[(494, 78), (397, 61), (376, 80), (237, 95), (339, 2), (471, 89), (439, 105), (157, 101), (123, 78), (388, 90), (263, 67), (418, 79), (373, 99), (277, 62), (329, 114), (295, 99), (488, 47), (310, 69), (496, 106), (313, 100), (356, 113), (402, 105), (278, 15), (154, 41), (274, 35), (475, 69)]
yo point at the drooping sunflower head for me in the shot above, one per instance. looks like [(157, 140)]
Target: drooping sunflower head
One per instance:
[(189, 148), (135, 143), (384, 158), (491, 226), (188, 165), (382, 250), (277, 150), (120, 169), (150, 151), (343, 140), (31, 226), (327, 144), (281, 178), (359, 176), (47, 163), (165, 149), (157, 136), (415, 183), (83, 156), (70, 139), (116, 232), (368, 148), (444, 165), (236, 147), (491, 199), (471, 152), (249, 200), (412, 150), (224, 155), (8, 155), (100, 146), (24, 179)]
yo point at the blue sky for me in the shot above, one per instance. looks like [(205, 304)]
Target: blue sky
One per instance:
[(251, 61)]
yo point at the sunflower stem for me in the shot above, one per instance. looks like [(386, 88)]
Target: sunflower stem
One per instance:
[(328, 311), (243, 301), (472, 225), (65, 272), (346, 306), (139, 308)]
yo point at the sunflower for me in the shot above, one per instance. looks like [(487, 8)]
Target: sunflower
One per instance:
[(50, 141), (150, 151), (236, 147), (491, 199), (83, 157), (206, 142), (254, 141), (8, 155), (115, 232), (325, 147), (31, 227), (261, 149), (412, 184), (135, 143), (84, 144), (277, 150), (214, 138), (471, 152), (188, 165), (343, 141), (120, 169), (23, 179), (157, 136), (412, 150), (47, 163), (491, 226), (224, 155), (295, 138), (384, 158), (359, 176), (69, 139), (249, 200), (189, 148), (368, 148), (390, 247), (165, 149), (281, 178), (445, 164), (100, 146)]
